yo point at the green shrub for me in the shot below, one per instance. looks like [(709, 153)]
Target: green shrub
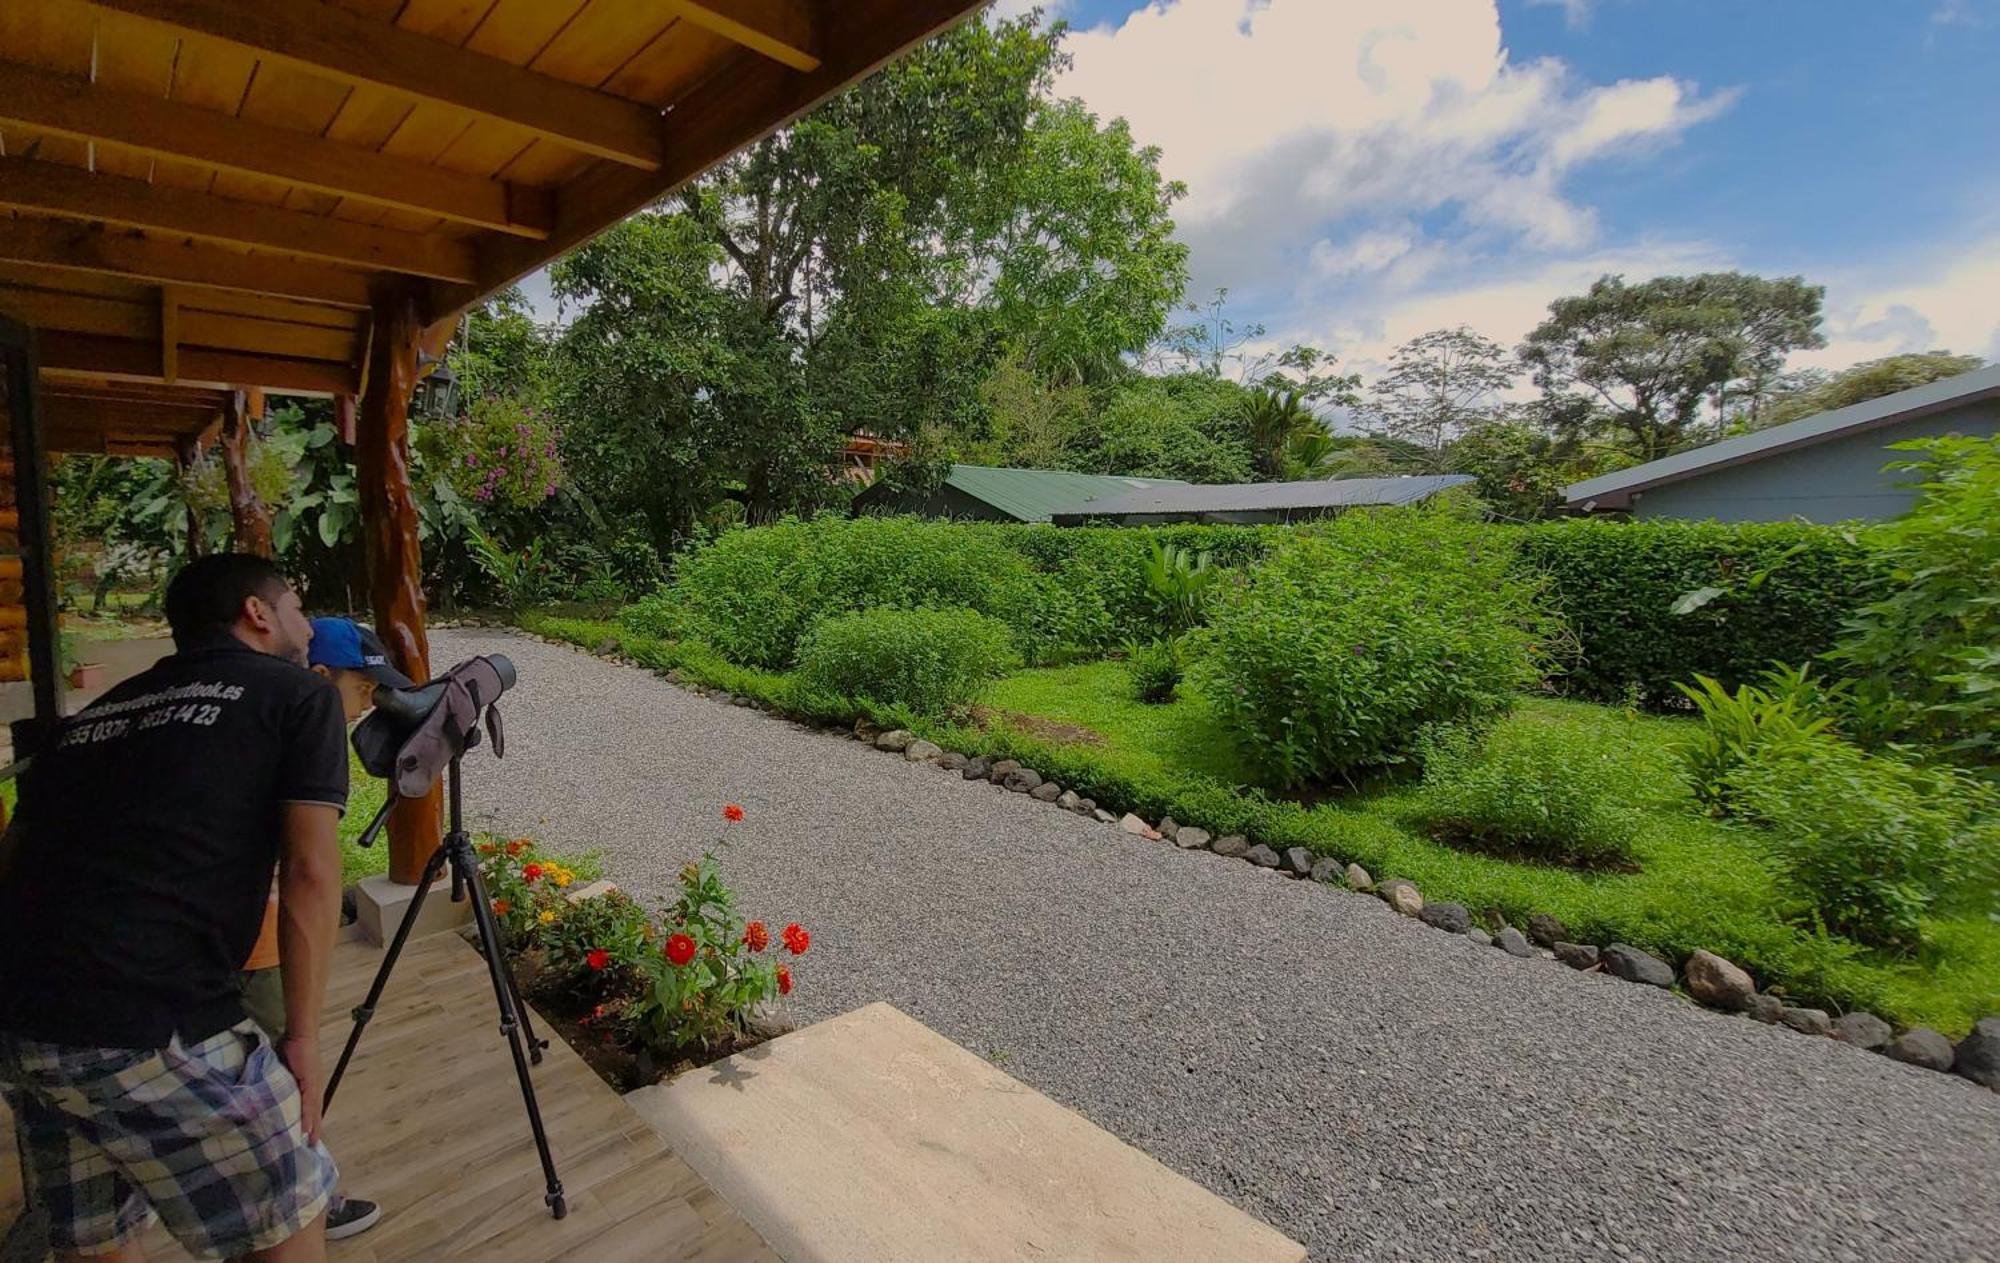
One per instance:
[(1615, 585), (1328, 657), (1745, 726), (1527, 789), (1869, 843), (1103, 570), (1926, 651), (932, 661), (754, 593), (1156, 668), (658, 613)]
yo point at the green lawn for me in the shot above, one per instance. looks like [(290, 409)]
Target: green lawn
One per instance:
[(1701, 882)]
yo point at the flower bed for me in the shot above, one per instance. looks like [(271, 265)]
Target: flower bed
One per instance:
[(639, 997)]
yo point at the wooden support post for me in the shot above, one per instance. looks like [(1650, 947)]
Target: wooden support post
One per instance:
[(251, 519), (389, 540), (19, 398)]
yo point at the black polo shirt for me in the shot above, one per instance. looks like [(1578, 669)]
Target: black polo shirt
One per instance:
[(148, 831)]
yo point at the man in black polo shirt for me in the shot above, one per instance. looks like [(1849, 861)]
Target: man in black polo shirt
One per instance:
[(132, 885)]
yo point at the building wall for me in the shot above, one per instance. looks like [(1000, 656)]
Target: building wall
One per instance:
[(1839, 480)]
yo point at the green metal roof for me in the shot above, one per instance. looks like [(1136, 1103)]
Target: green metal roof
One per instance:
[(1032, 494)]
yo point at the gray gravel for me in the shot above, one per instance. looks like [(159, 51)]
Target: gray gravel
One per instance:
[(1371, 1086)]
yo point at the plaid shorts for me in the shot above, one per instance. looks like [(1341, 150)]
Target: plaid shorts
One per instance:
[(210, 1137)]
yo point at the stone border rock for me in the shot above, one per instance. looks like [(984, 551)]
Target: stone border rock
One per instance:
[(1706, 977)]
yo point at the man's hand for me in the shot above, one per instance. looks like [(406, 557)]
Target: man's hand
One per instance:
[(301, 1057)]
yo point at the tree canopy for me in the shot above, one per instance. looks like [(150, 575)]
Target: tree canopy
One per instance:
[(1644, 359)]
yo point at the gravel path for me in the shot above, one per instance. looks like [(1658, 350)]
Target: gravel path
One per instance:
[(1370, 1086)]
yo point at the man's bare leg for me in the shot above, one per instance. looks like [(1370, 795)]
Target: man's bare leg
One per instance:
[(307, 1245)]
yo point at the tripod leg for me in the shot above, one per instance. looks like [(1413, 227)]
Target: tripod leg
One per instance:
[(366, 1010), (467, 867), (535, 1046)]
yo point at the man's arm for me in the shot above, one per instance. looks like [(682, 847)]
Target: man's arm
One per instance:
[(308, 917)]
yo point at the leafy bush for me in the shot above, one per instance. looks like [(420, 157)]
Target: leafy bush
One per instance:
[(1529, 789), (1926, 651), (1329, 657), (1615, 585), (1745, 726), (1180, 581), (1156, 668), (658, 613), (932, 661), (1103, 570), (611, 923), (755, 593), (1869, 843)]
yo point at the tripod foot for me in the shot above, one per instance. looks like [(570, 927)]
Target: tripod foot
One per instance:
[(558, 1206)]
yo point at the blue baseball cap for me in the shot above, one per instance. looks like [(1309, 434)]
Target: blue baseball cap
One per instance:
[(346, 644)]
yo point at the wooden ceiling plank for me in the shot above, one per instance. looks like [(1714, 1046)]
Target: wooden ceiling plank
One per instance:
[(47, 188), (78, 313), (84, 248), (782, 30), (140, 359), (680, 58), (727, 112), (170, 334), (128, 57), (321, 40), (223, 302), (56, 37), (76, 107), (265, 337)]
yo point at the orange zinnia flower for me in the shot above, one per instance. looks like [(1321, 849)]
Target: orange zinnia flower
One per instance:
[(756, 937)]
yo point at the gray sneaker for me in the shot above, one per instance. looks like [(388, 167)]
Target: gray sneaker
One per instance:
[(350, 1216)]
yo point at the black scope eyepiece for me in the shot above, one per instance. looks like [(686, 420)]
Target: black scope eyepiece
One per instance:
[(414, 733)]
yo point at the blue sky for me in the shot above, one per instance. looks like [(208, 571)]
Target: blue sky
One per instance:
[(1363, 170)]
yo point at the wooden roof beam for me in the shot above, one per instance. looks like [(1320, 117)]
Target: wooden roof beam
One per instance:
[(51, 189), (327, 40), (139, 358), (726, 113), (115, 252), (71, 105), (783, 30)]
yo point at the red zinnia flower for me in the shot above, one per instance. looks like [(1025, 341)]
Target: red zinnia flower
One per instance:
[(679, 949), (756, 937), (532, 872), (488, 848), (517, 846), (500, 907), (731, 812), (784, 981), (597, 959), (796, 939)]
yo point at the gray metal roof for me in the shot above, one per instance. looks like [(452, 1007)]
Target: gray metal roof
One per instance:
[(1030, 495), (1266, 497), (1615, 490)]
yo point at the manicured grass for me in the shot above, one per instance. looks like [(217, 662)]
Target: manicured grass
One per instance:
[(1701, 882), (364, 799)]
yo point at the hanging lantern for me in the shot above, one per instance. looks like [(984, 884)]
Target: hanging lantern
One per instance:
[(436, 395)]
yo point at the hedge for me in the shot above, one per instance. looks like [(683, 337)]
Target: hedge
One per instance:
[(1615, 584)]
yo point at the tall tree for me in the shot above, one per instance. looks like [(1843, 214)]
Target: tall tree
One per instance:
[(1870, 379), (1643, 359), (1438, 386), (864, 269)]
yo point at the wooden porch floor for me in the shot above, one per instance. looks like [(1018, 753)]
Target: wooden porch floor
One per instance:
[(429, 1123)]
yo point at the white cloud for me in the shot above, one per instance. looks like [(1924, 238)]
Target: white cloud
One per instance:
[(1576, 13), (1371, 251), (1016, 8), (1290, 119), (1943, 302)]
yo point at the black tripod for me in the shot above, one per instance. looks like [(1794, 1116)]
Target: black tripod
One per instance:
[(457, 851)]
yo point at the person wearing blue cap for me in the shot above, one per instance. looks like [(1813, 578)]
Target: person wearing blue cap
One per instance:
[(354, 659)]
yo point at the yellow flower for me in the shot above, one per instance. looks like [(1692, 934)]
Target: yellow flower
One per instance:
[(563, 878), (546, 916)]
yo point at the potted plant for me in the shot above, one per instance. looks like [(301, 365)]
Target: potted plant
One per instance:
[(82, 675)]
